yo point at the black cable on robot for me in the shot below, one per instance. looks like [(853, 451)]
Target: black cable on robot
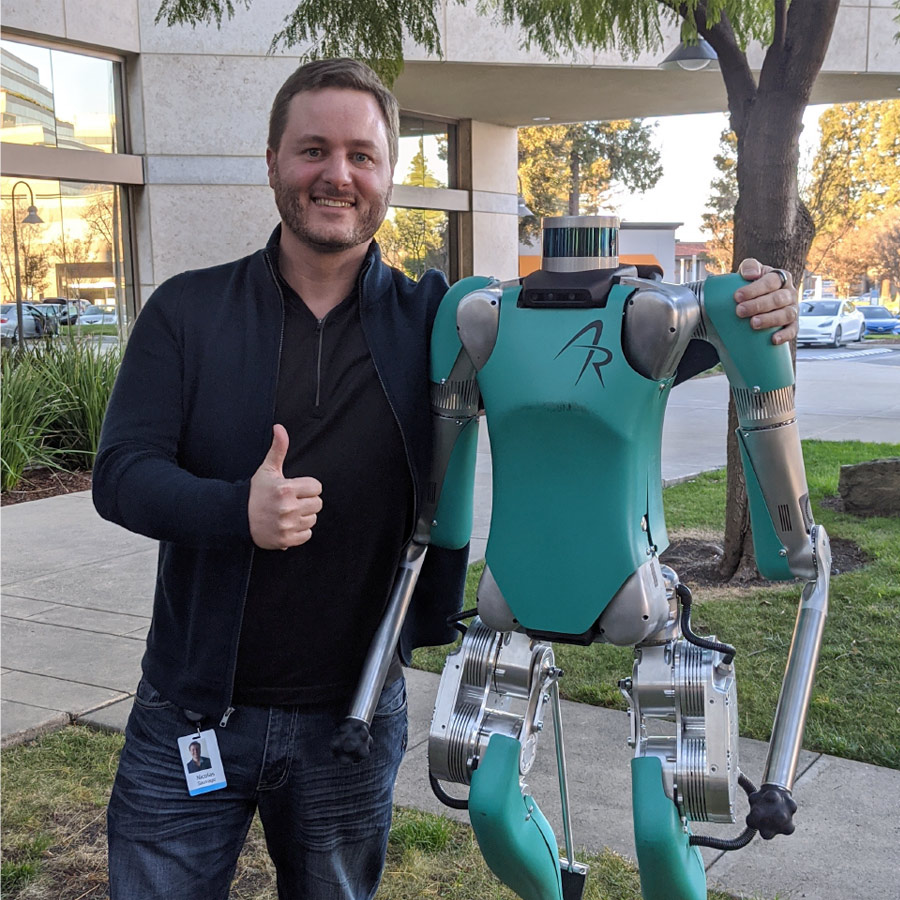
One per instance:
[(738, 843), (684, 595)]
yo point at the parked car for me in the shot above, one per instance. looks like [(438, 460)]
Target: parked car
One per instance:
[(99, 315), (68, 310), (37, 322), (833, 322), (879, 320)]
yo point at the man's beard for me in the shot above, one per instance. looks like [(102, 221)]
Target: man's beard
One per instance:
[(296, 219)]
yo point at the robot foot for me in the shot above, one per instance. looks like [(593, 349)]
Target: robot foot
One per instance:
[(574, 879)]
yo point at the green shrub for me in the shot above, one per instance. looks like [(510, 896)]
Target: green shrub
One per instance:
[(81, 373), (54, 398), (26, 417)]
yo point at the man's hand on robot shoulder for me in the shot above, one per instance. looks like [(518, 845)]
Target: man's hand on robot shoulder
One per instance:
[(769, 300), (282, 511)]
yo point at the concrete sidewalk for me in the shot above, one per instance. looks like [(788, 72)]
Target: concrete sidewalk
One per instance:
[(77, 600)]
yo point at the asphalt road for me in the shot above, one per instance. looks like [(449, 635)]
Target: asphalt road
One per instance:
[(866, 351)]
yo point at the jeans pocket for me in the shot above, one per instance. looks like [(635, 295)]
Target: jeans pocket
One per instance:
[(149, 697), (392, 699)]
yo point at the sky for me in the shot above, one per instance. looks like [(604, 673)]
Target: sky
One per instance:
[(687, 145)]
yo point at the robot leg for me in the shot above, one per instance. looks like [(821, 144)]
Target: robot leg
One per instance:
[(488, 714), (683, 710)]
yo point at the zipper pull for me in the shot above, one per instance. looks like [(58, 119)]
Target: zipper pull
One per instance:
[(226, 717)]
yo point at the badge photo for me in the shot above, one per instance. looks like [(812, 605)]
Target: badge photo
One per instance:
[(203, 767)]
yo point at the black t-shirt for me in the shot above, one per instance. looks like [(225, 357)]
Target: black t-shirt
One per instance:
[(311, 611)]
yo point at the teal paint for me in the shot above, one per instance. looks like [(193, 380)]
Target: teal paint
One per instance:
[(670, 868), (515, 838)]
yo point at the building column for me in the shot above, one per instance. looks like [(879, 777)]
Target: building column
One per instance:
[(489, 232)]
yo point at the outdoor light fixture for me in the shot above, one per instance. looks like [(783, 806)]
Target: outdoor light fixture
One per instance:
[(692, 57), (32, 218), (523, 207)]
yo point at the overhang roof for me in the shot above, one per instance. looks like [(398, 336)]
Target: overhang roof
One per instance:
[(515, 95)]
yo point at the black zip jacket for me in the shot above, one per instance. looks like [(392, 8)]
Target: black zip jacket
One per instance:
[(189, 423)]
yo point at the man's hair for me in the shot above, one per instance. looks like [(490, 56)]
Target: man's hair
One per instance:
[(348, 74)]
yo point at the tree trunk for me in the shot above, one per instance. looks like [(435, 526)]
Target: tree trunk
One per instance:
[(771, 223), (574, 183)]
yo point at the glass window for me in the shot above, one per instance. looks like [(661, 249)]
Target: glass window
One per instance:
[(53, 98), (424, 153), (77, 252), (414, 240)]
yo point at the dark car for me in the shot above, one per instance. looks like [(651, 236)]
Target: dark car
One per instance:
[(879, 320), (68, 309)]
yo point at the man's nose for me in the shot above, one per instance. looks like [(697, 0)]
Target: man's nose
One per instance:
[(337, 172)]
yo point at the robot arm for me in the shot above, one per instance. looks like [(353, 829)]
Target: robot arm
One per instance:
[(454, 410), (786, 542)]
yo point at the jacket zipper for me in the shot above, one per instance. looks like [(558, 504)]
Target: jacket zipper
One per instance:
[(230, 708), (387, 396), (320, 328)]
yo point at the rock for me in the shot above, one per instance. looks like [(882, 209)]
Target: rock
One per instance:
[(871, 488)]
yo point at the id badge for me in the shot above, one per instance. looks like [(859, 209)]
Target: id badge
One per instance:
[(203, 767)]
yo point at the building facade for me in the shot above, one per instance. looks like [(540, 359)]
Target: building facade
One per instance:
[(143, 146)]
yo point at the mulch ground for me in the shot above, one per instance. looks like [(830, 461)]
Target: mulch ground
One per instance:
[(36, 484), (697, 561)]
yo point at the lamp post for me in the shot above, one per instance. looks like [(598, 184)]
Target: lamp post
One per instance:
[(32, 218)]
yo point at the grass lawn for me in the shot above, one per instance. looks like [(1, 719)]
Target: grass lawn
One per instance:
[(55, 790), (54, 837), (857, 694), (80, 330)]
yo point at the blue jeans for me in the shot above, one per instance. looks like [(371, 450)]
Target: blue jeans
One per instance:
[(326, 823)]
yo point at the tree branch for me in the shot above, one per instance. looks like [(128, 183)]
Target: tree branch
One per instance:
[(740, 85)]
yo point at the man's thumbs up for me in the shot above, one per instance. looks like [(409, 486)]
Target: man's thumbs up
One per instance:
[(274, 460), (282, 511)]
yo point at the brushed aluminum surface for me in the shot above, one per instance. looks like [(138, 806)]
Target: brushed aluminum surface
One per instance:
[(493, 683), (660, 320), (796, 690), (683, 709)]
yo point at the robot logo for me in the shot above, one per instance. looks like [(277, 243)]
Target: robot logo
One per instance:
[(592, 349)]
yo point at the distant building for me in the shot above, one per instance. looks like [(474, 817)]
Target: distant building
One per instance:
[(691, 262)]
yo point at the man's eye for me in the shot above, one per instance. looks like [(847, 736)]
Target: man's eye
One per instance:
[(361, 157), (313, 152)]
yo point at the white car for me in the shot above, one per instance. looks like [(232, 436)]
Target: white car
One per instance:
[(833, 322), (99, 315)]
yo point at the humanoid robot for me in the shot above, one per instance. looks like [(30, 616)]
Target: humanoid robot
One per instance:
[(573, 365)]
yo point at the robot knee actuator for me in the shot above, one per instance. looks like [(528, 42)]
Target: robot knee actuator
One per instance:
[(488, 714), (493, 683)]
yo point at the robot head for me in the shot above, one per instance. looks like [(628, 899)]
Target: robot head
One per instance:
[(579, 243)]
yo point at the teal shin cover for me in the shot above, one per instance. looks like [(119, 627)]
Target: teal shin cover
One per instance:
[(516, 840), (670, 868)]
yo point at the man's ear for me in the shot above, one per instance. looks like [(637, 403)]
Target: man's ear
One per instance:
[(270, 163)]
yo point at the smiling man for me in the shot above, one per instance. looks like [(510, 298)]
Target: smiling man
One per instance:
[(270, 426)]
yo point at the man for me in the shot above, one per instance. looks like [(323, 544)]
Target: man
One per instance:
[(197, 763), (270, 427)]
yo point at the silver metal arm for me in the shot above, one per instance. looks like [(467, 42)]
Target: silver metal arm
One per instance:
[(772, 807), (793, 704)]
